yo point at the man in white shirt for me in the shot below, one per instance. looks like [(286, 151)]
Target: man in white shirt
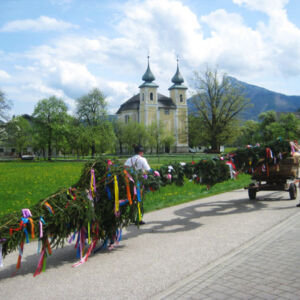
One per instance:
[(138, 162)]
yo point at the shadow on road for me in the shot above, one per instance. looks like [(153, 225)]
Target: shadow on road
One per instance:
[(184, 219)]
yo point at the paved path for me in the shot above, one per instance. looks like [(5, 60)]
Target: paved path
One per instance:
[(266, 268), (207, 248)]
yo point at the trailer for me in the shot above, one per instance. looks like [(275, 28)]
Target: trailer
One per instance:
[(283, 176)]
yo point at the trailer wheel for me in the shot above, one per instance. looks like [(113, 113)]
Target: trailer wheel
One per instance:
[(293, 191), (252, 194)]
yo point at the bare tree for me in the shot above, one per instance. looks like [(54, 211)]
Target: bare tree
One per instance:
[(218, 102)]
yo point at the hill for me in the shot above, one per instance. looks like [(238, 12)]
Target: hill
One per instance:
[(262, 100)]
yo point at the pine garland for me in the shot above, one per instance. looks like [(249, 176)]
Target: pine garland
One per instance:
[(249, 158), (105, 199), (69, 210)]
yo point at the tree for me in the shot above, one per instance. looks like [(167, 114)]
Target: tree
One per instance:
[(155, 135), (287, 127), (168, 139), (5, 106), (266, 119), (195, 132), (218, 102), (19, 133), (91, 109), (250, 133), (50, 117), (134, 134), (118, 127)]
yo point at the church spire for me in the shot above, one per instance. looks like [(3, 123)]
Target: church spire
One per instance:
[(177, 78), (148, 77)]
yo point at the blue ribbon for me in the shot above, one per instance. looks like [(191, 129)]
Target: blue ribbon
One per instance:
[(121, 203), (25, 221), (102, 247), (78, 245), (108, 192), (138, 191)]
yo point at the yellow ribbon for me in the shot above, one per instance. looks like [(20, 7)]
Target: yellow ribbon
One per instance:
[(139, 211), (89, 233), (117, 206), (92, 184)]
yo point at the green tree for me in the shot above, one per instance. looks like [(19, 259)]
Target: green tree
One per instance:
[(250, 133), (218, 102), (92, 109), (19, 133), (168, 139), (106, 141), (155, 136), (266, 119), (133, 134), (287, 127), (50, 117), (118, 127), (196, 131)]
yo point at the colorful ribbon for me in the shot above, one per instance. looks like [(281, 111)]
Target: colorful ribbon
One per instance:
[(93, 184), (116, 187), (127, 187), (49, 207)]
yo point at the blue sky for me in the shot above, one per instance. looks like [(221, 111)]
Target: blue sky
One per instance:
[(67, 47)]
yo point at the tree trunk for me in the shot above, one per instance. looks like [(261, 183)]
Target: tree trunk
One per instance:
[(215, 146)]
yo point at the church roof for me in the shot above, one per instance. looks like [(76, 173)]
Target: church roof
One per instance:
[(134, 103), (148, 77), (178, 80)]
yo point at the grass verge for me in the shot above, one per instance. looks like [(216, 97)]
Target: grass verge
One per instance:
[(173, 195)]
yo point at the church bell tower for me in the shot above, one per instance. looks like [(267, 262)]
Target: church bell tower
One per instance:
[(148, 98), (178, 95)]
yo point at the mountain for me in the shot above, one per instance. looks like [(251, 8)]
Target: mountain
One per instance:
[(262, 100)]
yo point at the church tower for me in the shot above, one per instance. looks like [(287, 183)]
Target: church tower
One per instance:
[(178, 95), (148, 98)]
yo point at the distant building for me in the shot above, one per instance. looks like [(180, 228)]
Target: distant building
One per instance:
[(149, 106)]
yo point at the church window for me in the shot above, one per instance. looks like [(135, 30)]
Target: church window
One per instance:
[(181, 98), (1, 150), (167, 111), (151, 96), (127, 118), (143, 97)]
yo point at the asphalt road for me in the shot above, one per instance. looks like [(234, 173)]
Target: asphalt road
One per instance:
[(175, 243)]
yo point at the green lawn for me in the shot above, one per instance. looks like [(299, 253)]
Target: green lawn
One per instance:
[(22, 184), (172, 195)]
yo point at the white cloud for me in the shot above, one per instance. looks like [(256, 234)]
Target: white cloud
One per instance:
[(267, 6), (4, 75), (72, 65), (43, 23)]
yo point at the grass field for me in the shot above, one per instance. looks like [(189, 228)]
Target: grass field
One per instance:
[(172, 195), (22, 184)]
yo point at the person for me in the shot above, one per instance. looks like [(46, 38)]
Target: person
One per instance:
[(139, 163)]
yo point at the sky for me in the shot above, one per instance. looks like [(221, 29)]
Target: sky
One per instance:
[(66, 48)]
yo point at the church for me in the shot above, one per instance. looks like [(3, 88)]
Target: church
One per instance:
[(150, 106)]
